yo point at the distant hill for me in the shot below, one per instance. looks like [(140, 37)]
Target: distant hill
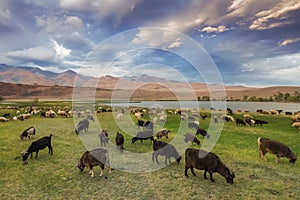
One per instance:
[(29, 82)]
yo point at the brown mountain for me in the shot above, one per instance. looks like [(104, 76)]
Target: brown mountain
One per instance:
[(28, 83)]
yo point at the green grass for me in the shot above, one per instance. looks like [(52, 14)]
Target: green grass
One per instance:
[(57, 177)]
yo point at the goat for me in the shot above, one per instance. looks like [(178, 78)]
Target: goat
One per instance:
[(165, 149), (202, 132), (207, 161), (120, 141), (193, 125), (82, 125), (280, 150), (260, 122), (28, 132), (143, 135), (93, 158), (203, 117), (188, 137), (163, 132), (37, 145), (240, 122), (103, 136)]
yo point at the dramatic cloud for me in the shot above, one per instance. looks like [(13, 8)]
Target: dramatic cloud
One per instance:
[(248, 40)]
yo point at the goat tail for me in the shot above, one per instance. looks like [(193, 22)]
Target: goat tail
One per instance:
[(259, 140)]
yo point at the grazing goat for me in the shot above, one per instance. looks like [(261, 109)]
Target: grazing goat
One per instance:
[(140, 123), (193, 125), (120, 142), (203, 117), (259, 122), (103, 136), (165, 149), (37, 145), (143, 135), (207, 161), (188, 137), (229, 111), (6, 115), (202, 132), (240, 122), (280, 150), (163, 132), (28, 132), (82, 125), (93, 158)]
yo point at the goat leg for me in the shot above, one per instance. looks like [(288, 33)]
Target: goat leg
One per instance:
[(192, 170)]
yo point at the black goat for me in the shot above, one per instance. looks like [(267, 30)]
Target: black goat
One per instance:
[(28, 132), (37, 145), (165, 149), (120, 142), (202, 132), (207, 161), (143, 135), (240, 122), (260, 122)]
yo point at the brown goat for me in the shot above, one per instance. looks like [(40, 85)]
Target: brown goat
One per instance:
[(280, 150), (93, 158), (207, 161)]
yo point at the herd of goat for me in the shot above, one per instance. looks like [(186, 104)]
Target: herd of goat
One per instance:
[(194, 158)]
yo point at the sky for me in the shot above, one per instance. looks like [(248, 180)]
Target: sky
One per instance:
[(241, 42)]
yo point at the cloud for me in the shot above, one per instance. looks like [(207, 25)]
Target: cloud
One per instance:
[(288, 41), (60, 50), (177, 43), (276, 16), (34, 54), (158, 38), (218, 29)]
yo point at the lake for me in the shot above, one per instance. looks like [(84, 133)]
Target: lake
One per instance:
[(234, 105)]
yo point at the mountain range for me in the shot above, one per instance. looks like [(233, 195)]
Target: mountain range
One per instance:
[(30, 82)]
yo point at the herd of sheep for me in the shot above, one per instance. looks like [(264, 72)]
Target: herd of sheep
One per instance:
[(194, 158)]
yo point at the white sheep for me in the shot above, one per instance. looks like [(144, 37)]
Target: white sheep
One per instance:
[(296, 125), (3, 119), (120, 117)]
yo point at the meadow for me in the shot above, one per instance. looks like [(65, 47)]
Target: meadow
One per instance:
[(57, 177)]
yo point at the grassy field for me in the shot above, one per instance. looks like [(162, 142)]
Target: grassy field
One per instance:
[(57, 177)]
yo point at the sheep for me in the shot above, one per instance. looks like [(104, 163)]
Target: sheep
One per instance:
[(240, 122), (247, 116), (188, 137), (103, 136), (260, 122), (227, 118), (274, 112), (28, 132), (119, 141), (82, 125), (37, 145), (163, 132), (266, 145), (93, 158), (163, 118), (165, 149), (296, 124), (6, 115), (202, 132), (138, 115), (62, 113), (120, 117), (3, 119), (207, 161), (143, 135), (155, 120), (190, 118)]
